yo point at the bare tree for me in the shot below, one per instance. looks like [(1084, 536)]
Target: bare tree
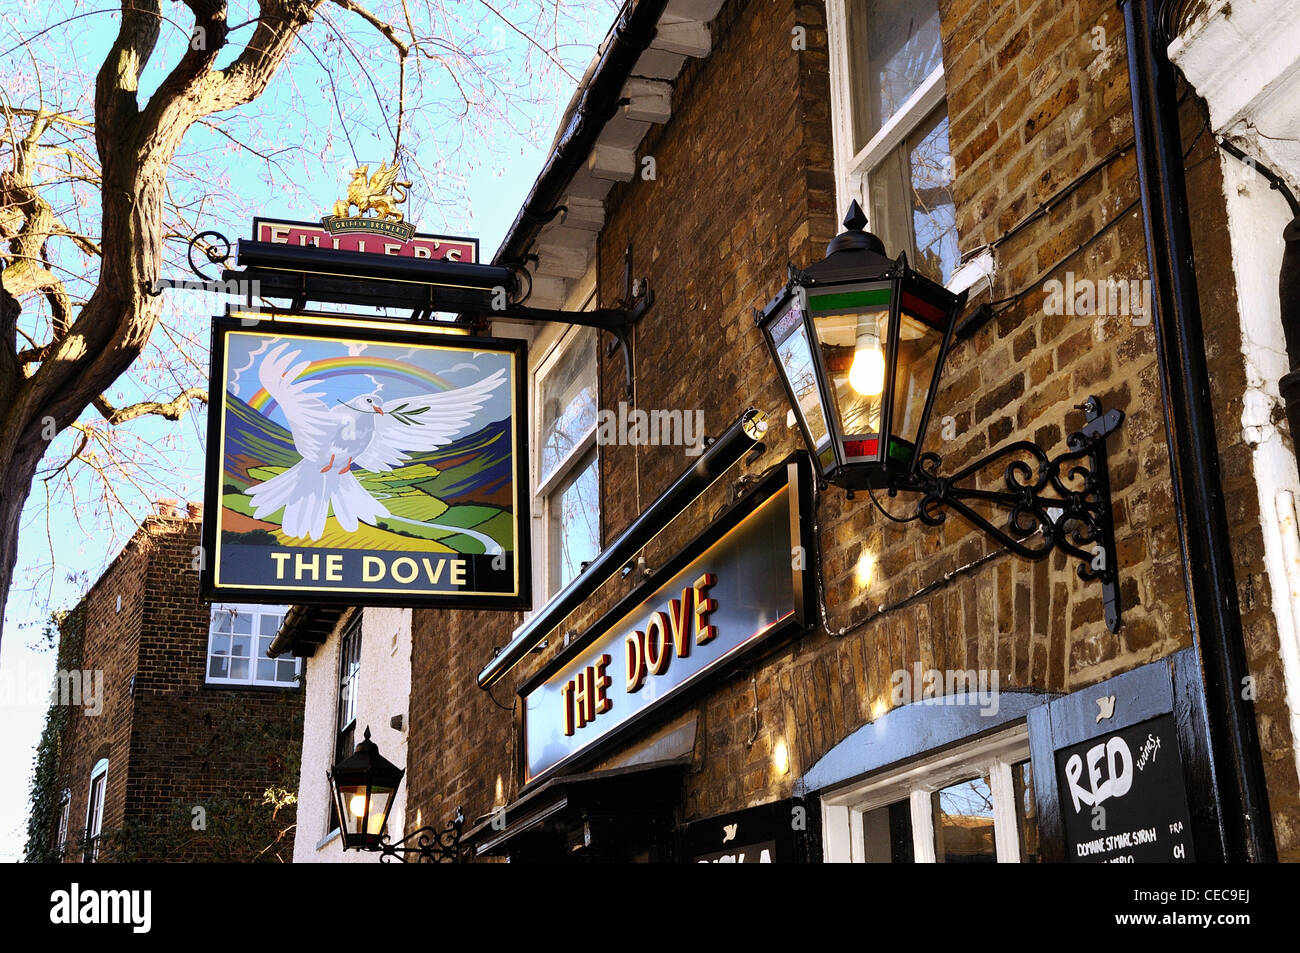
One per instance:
[(97, 194)]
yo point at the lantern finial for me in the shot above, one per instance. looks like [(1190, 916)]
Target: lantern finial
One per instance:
[(855, 219), (855, 238)]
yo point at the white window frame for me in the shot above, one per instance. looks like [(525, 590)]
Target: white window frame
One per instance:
[(843, 808), (256, 612), (95, 808), (351, 631), (65, 812), (852, 168), (553, 351)]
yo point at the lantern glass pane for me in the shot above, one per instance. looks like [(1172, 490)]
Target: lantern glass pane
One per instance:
[(790, 339), (853, 352), (853, 332), (353, 797), (379, 802), (918, 354), (920, 340)]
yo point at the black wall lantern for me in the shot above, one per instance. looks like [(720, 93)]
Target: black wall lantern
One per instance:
[(364, 787), (860, 341)]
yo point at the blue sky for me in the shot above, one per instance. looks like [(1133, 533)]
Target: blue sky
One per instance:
[(469, 180)]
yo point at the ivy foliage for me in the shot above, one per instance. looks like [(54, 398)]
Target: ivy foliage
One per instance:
[(68, 629)]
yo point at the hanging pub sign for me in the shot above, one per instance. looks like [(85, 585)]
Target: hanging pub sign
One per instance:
[(1123, 798), (364, 463), (738, 583)]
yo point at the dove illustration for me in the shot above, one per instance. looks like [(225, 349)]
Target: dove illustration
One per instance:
[(359, 432)]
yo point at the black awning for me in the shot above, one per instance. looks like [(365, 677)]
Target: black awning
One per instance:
[(304, 628), (624, 813)]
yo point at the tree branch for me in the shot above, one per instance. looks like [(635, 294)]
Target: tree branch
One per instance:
[(172, 410), (385, 29)]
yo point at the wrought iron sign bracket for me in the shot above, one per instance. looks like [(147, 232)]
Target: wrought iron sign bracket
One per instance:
[(1065, 498), (617, 320), (429, 845), (212, 245)]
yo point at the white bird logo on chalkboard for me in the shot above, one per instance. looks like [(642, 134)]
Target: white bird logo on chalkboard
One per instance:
[(361, 432)]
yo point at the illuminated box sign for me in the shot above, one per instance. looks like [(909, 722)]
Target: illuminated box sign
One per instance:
[(364, 463), (372, 239), (739, 582)]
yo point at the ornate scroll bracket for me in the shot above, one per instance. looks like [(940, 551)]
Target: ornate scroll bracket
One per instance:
[(213, 246), (430, 845), (1064, 500)]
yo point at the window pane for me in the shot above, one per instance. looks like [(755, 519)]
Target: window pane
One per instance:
[(242, 623), (893, 46), (887, 834), (1022, 780), (568, 402), (221, 645), (963, 823), (219, 668), (934, 215), (349, 677), (95, 821), (269, 625), (241, 645), (286, 671), (265, 670), (912, 208), (239, 668), (574, 513)]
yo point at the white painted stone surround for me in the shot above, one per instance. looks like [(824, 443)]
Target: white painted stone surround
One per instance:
[(1243, 58)]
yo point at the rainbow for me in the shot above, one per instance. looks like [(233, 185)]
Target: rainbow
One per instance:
[(342, 366)]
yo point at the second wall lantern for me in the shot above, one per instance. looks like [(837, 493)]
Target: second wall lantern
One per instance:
[(860, 340)]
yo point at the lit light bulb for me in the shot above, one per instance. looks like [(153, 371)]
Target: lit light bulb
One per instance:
[(357, 805), (867, 373)]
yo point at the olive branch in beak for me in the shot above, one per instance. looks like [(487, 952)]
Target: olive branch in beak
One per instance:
[(359, 410)]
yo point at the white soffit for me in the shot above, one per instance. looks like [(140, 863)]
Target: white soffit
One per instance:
[(565, 246)]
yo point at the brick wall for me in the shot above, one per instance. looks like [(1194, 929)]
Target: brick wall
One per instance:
[(1037, 95), (110, 643), (174, 743)]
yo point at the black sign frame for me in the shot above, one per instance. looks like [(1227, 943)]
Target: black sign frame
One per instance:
[(794, 471), (773, 823), (360, 328)]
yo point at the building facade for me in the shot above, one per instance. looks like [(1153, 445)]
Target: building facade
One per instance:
[(171, 736), (927, 695)]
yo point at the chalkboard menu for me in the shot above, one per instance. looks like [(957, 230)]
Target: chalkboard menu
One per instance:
[(1122, 797)]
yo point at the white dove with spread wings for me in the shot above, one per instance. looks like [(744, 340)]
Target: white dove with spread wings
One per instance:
[(358, 432)]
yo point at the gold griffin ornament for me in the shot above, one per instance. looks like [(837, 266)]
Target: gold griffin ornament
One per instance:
[(378, 194), (381, 193)]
